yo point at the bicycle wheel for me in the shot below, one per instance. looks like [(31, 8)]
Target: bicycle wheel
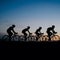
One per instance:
[(43, 38), (40, 38), (55, 38), (33, 38), (30, 38), (46, 38), (5, 38), (15, 38), (21, 38)]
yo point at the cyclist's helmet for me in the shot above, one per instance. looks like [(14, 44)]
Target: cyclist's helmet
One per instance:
[(28, 27), (13, 25), (40, 27), (53, 26)]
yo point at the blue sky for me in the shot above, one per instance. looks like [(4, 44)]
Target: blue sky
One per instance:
[(34, 13)]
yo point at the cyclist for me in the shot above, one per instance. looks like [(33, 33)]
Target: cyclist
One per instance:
[(11, 31), (38, 32), (24, 31), (51, 31)]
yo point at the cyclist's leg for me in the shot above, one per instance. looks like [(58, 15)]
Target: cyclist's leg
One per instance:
[(25, 36), (49, 35), (41, 36), (49, 38), (10, 35), (31, 36), (41, 33), (37, 36)]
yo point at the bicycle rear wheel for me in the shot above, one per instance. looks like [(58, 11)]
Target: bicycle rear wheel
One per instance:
[(43, 38), (5, 38), (21, 38)]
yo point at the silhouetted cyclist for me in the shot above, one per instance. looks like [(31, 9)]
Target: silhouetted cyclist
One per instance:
[(51, 31), (38, 32), (24, 31), (11, 31)]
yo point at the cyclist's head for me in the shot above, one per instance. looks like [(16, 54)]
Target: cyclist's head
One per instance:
[(40, 27), (28, 27), (53, 26), (13, 25)]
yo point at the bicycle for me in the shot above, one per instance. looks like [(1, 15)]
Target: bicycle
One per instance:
[(29, 37), (14, 37), (41, 37), (55, 37), (21, 38)]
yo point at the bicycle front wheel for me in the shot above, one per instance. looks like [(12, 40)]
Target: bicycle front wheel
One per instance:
[(55, 38), (15, 38)]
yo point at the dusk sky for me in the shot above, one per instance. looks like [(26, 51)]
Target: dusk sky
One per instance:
[(34, 13)]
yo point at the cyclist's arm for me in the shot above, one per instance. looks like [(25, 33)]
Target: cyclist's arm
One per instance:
[(13, 31), (28, 31), (53, 31)]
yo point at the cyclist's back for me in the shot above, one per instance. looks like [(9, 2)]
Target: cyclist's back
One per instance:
[(24, 30), (49, 29), (38, 31), (10, 30)]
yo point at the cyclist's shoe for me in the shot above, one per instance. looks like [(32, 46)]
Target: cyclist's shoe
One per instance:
[(30, 33), (55, 32), (41, 33)]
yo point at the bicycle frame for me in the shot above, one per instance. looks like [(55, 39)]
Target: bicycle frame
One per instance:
[(31, 37)]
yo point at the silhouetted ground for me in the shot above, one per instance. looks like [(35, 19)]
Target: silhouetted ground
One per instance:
[(31, 44)]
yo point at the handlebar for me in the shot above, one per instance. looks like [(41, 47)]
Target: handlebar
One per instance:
[(54, 33)]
